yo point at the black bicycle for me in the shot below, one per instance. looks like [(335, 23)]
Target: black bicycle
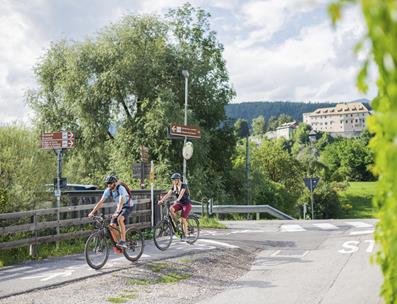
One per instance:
[(100, 241), (167, 228)]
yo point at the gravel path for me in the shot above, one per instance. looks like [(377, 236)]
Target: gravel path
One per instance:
[(187, 279)]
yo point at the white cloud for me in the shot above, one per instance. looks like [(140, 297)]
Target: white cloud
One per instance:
[(317, 64), (275, 49)]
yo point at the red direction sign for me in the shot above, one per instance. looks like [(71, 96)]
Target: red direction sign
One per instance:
[(184, 130), (57, 140)]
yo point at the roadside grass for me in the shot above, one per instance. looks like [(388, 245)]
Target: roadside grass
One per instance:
[(117, 300), (141, 282), (18, 255), (211, 222), (356, 200), (173, 277)]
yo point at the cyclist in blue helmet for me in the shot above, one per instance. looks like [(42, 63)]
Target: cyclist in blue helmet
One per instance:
[(121, 195)]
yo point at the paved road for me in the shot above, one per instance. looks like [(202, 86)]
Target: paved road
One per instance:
[(297, 262), (325, 262)]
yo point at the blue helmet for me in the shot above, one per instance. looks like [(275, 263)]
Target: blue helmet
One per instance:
[(176, 176)]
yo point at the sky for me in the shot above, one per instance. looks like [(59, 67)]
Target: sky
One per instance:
[(274, 49)]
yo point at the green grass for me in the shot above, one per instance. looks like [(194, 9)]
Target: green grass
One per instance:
[(117, 300), (357, 200), (173, 277), (211, 222), (185, 261), (158, 267)]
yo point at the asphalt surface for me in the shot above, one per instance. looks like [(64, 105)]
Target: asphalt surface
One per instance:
[(297, 262)]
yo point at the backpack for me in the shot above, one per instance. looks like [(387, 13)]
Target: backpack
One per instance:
[(121, 183)]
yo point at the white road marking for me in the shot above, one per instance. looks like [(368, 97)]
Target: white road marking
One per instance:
[(218, 243), (326, 226), (362, 232), (50, 276), (291, 228), (359, 224), (370, 246), (349, 247), (246, 231), (277, 254)]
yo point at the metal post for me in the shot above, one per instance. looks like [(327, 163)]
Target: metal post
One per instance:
[(185, 74), (152, 190), (58, 191), (304, 211), (312, 197), (247, 169)]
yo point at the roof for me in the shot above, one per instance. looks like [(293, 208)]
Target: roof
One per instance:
[(341, 108)]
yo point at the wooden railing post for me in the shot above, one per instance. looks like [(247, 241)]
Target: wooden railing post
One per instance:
[(33, 247)]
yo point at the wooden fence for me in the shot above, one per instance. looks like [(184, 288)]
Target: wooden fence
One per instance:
[(30, 228)]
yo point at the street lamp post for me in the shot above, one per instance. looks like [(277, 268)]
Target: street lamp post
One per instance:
[(185, 74)]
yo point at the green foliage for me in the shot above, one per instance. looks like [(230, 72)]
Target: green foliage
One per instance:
[(275, 122), (348, 159), (129, 75), (24, 169), (381, 21), (357, 199), (258, 125), (210, 222)]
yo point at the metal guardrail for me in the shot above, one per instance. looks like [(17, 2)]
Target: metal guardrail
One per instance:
[(228, 209)]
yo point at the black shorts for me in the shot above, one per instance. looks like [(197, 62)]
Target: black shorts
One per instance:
[(125, 211)]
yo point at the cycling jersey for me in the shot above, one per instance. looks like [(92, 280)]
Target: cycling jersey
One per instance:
[(115, 194), (186, 197)]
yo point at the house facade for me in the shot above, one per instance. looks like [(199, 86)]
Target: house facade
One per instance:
[(345, 119)]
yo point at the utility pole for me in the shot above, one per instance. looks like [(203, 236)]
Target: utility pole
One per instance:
[(185, 74)]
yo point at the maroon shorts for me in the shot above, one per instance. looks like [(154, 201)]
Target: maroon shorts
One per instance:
[(184, 207)]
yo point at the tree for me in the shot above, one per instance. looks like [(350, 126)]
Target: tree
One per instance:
[(381, 37), (129, 75), (24, 169), (258, 125)]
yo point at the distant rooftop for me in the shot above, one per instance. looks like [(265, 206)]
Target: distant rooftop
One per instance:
[(342, 108)]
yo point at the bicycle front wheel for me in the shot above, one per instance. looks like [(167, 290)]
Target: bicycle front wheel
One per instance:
[(162, 235), (135, 243), (193, 227), (96, 250)]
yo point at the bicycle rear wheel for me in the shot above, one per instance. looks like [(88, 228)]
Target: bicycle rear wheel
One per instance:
[(193, 227), (135, 243), (162, 235), (96, 250)]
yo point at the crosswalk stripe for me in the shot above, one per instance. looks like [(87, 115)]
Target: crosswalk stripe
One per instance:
[(359, 224), (291, 228), (326, 226)]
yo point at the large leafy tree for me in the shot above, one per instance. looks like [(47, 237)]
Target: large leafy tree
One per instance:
[(129, 75), (381, 21)]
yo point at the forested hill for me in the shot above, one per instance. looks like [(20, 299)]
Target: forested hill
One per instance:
[(251, 110)]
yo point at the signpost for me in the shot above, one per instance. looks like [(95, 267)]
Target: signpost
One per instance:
[(184, 131), (311, 184), (59, 141)]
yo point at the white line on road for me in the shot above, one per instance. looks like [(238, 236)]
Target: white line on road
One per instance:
[(359, 224), (246, 231), (362, 232), (49, 276), (218, 243), (326, 226), (291, 228), (277, 254)]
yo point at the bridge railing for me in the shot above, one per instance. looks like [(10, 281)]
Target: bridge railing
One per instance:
[(34, 227)]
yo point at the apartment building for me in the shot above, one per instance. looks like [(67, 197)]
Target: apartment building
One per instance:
[(345, 119)]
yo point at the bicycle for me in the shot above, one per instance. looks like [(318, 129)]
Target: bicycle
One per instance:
[(97, 246), (167, 228)]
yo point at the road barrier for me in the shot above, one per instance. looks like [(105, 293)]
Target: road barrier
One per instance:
[(229, 209), (30, 228)]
